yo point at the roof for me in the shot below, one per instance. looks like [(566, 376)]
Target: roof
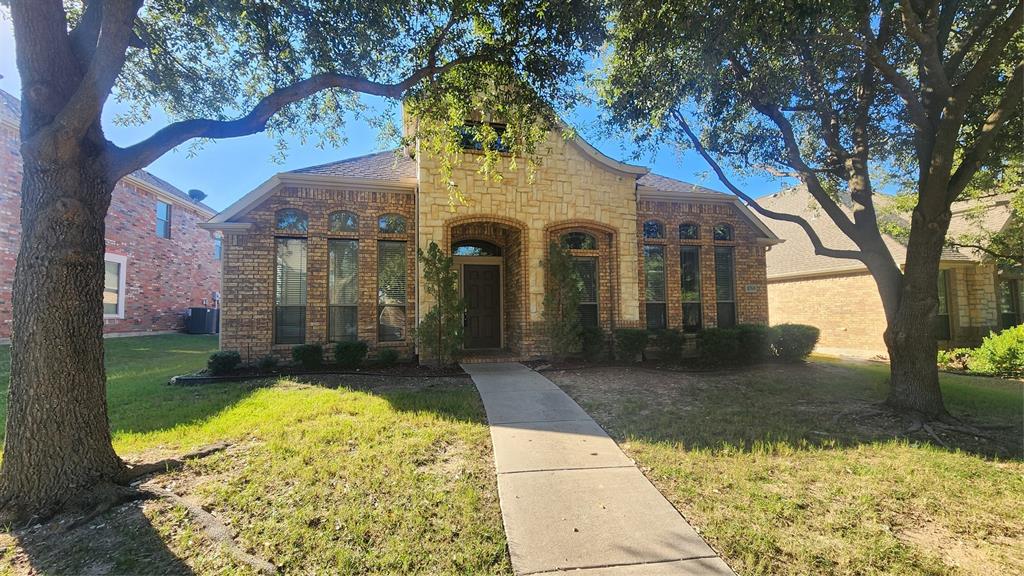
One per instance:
[(388, 165), (666, 184), (796, 256), (10, 109)]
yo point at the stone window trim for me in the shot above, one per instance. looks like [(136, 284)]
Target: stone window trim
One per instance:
[(122, 262)]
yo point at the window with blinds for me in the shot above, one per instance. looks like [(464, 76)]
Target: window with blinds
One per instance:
[(112, 304), (725, 286), (290, 292), (343, 290), (689, 284), (586, 274), (654, 286), (391, 291)]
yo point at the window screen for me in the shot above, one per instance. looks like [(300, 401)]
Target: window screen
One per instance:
[(343, 290), (391, 291), (654, 282), (725, 286), (586, 272), (290, 292), (689, 287)]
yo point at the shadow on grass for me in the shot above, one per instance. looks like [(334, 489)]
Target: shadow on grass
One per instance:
[(818, 404), (122, 541)]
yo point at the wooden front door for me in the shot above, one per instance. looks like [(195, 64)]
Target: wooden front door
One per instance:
[(481, 289)]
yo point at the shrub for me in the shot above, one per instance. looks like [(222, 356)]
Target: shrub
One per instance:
[(223, 362), (592, 343), (387, 357), (1001, 353), (794, 342), (561, 302), (669, 344), (955, 359), (756, 342), (309, 356), (350, 354), (440, 332), (720, 346), (630, 343), (266, 363)]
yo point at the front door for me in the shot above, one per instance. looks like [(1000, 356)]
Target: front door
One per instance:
[(481, 289)]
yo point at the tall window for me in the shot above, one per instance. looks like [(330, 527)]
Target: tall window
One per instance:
[(163, 219), (943, 330), (725, 286), (689, 231), (654, 229), (1010, 301), (654, 282), (290, 292), (343, 290), (391, 291), (586, 272), (689, 283), (113, 286), (218, 247)]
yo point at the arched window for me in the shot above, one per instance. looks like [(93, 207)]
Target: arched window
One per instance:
[(475, 248), (343, 221), (391, 224), (723, 232), (654, 229), (578, 241), (689, 231), (292, 220)]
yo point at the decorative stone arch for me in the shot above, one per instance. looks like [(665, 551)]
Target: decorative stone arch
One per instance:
[(511, 236), (607, 254)]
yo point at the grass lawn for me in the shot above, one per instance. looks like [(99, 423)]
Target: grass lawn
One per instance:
[(347, 475), (790, 470)]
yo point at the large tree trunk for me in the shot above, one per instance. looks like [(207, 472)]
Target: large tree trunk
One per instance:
[(910, 337), (58, 437)]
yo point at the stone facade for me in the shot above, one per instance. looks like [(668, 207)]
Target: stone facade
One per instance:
[(573, 189), (163, 276)]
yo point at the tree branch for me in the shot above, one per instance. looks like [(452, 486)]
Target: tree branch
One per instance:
[(933, 76), (819, 247), (1017, 257), (978, 26), (127, 160), (901, 83), (978, 154)]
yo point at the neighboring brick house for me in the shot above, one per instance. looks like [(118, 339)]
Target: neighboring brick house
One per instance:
[(328, 252), (159, 262), (840, 297)]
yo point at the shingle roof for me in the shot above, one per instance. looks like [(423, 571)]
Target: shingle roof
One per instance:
[(387, 165), (796, 255), (10, 107), (666, 184)]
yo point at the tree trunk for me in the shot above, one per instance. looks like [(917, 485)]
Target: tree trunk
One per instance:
[(58, 437), (909, 336)]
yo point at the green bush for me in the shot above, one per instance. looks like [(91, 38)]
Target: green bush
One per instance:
[(309, 356), (794, 342), (223, 362), (562, 292), (756, 342), (1000, 353), (592, 343), (955, 359), (440, 333), (669, 344), (266, 363), (387, 357), (720, 346), (350, 354), (630, 343)]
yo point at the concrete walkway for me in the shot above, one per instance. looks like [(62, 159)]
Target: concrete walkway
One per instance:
[(571, 501)]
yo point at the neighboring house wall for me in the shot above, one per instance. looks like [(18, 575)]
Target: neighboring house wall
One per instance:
[(162, 276), (247, 309), (846, 308)]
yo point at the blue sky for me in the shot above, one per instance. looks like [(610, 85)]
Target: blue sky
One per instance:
[(227, 169)]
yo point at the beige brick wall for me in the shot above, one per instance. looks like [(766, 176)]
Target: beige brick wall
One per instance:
[(846, 308)]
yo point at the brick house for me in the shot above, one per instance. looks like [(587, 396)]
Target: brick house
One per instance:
[(840, 297), (158, 262), (328, 252)]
